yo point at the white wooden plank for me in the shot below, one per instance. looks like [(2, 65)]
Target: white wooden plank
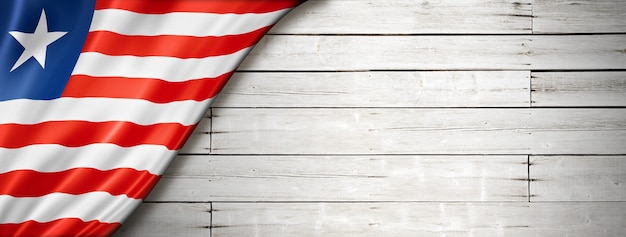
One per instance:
[(168, 219), (344, 178), (200, 140), (506, 52), (419, 219), (579, 16), (579, 89), (408, 17), (300, 52), (578, 178), (378, 89), (578, 52), (419, 131)]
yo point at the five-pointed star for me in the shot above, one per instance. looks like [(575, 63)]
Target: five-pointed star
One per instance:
[(35, 44)]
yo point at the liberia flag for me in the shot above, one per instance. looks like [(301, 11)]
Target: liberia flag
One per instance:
[(97, 97)]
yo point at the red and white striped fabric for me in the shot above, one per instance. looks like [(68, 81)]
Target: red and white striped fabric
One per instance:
[(80, 164)]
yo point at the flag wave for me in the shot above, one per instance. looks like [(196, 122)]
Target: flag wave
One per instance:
[(80, 163)]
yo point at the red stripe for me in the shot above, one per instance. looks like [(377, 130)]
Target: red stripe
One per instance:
[(154, 90), (30, 183), (58, 228), (81, 133), (208, 6), (111, 43)]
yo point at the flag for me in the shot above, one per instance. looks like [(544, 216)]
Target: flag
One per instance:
[(97, 97)]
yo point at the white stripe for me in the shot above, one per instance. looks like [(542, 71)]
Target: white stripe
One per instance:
[(99, 206), (165, 68), (55, 158), (25, 111), (181, 23)]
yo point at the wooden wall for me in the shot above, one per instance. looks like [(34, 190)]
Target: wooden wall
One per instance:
[(413, 118)]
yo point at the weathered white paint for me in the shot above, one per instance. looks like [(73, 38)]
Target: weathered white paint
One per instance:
[(344, 178), (200, 140), (343, 85), (419, 131), (596, 89), (579, 16), (502, 52), (378, 89), (419, 219), (168, 219), (408, 17), (578, 178)]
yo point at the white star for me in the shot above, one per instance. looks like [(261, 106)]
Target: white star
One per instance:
[(35, 44)]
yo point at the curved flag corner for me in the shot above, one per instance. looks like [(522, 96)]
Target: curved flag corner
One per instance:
[(97, 97)]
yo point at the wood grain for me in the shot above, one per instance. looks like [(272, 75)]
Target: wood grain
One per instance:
[(412, 118), (408, 17), (419, 131), (579, 16), (588, 89), (200, 140), (168, 219), (419, 219), (377, 89), (578, 178), (504, 52), (344, 178)]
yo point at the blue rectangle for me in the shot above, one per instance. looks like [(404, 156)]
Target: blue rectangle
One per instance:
[(31, 80)]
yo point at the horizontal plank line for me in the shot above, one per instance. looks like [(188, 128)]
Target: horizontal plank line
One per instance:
[(581, 33), (574, 202), (405, 154), (576, 70), (521, 107), (402, 34), (384, 70), (402, 202), (420, 108), (362, 202), (430, 70), (177, 202), (581, 155), (438, 52), (453, 34), (577, 107), (348, 155)]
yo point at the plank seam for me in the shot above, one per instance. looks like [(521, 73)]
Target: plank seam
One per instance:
[(459, 34), (211, 132), (528, 170), (436, 70), (410, 154), (409, 202), (417, 108), (470, 155), (532, 17), (530, 90)]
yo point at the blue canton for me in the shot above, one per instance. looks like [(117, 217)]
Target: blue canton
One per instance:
[(31, 80)]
